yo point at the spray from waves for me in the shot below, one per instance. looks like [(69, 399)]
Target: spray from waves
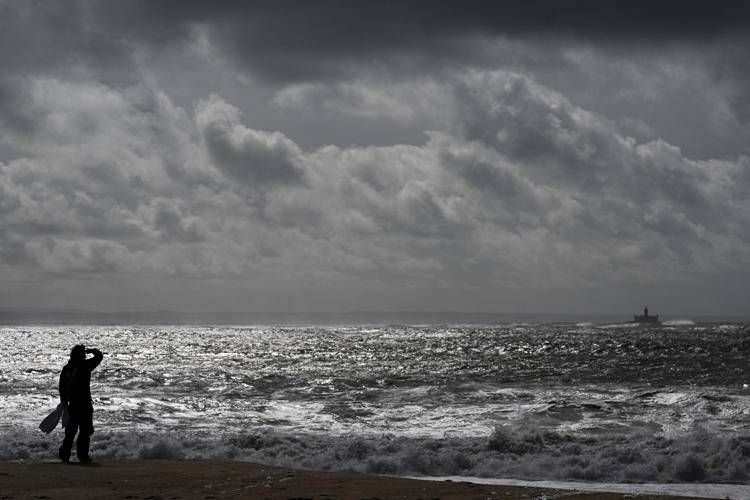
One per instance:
[(679, 322), (522, 452), (616, 326)]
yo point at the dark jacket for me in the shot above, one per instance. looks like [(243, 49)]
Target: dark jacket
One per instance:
[(75, 379)]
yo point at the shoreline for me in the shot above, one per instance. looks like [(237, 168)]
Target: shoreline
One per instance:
[(681, 490), (214, 479)]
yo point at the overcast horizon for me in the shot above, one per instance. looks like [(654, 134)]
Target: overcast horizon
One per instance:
[(334, 156)]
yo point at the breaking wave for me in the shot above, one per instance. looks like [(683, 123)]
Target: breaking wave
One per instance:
[(679, 322), (521, 452)]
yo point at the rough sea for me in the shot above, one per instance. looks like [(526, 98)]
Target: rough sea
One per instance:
[(560, 401)]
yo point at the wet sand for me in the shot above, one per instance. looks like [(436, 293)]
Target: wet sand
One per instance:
[(207, 479)]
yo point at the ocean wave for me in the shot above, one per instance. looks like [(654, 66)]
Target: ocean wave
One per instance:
[(679, 322), (268, 360), (616, 325), (510, 452)]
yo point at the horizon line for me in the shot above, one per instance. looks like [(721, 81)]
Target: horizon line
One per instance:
[(110, 312)]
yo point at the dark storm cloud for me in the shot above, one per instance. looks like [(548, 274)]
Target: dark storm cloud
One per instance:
[(338, 41), (297, 41), (346, 26), (52, 37), (286, 42)]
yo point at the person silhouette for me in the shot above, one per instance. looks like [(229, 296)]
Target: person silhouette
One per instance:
[(75, 393)]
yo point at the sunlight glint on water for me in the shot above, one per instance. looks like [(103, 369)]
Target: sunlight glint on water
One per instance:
[(564, 381)]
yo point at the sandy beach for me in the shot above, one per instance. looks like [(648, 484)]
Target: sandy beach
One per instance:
[(173, 479)]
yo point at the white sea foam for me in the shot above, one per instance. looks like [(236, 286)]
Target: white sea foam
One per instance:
[(727, 491), (509, 452), (617, 325), (679, 322)]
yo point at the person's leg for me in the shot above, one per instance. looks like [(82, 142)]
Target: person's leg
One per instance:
[(70, 433), (84, 435)]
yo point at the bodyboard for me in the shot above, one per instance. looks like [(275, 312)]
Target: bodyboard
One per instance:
[(50, 421)]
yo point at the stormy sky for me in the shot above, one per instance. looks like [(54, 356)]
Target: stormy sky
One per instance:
[(347, 155)]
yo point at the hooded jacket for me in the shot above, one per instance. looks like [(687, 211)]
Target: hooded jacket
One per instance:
[(75, 379)]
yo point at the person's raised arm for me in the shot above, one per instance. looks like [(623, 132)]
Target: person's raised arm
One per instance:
[(94, 361)]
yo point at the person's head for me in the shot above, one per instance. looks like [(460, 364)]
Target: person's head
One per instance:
[(78, 353)]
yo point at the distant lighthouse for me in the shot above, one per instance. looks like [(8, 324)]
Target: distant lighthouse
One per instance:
[(646, 318)]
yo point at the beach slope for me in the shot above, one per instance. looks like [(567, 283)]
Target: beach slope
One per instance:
[(207, 479)]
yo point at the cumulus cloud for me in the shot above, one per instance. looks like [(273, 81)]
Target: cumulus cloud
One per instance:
[(246, 155), (520, 187)]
